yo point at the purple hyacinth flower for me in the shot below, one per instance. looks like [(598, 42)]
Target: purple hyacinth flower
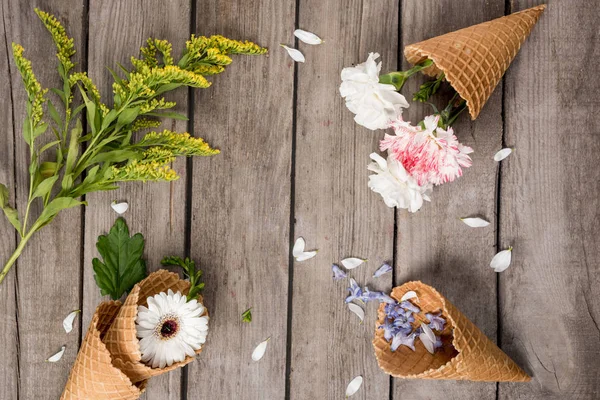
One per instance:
[(388, 329), (337, 273), (384, 269), (401, 339), (354, 292), (438, 342), (408, 306), (436, 322), (378, 296)]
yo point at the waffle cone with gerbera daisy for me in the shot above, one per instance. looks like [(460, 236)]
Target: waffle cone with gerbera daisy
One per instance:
[(465, 352), (93, 376), (474, 59), (122, 336)]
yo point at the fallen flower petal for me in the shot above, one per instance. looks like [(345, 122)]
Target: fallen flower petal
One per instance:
[(475, 222), (337, 273), (356, 309), (295, 54), (501, 261), (384, 269), (298, 247), (502, 154), (68, 321), (428, 332), (355, 293), (352, 262), (428, 343), (259, 351), (58, 355), (409, 295), (120, 208), (354, 385), (307, 37), (306, 256)]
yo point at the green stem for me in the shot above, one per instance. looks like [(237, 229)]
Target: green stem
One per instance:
[(400, 77), (11, 261)]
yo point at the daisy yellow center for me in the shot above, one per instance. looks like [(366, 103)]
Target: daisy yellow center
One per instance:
[(168, 327)]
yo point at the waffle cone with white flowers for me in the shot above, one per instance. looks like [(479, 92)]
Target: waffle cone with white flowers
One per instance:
[(93, 376), (121, 339), (466, 353), (474, 59)]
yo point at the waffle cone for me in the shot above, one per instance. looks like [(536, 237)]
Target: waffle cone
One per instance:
[(466, 353), (93, 376), (474, 59), (121, 339)]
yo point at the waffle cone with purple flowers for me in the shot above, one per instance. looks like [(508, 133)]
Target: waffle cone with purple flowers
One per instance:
[(93, 376), (121, 339), (466, 353), (474, 59)]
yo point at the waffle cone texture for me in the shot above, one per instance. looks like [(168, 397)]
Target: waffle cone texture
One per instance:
[(108, 365), (474, 59), (466, 353)]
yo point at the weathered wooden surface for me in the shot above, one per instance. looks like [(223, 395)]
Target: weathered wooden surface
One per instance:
[(549, 298), (293, 163), (49, 270), (334, 209), (241, 203), (434, 246), (157, 210)]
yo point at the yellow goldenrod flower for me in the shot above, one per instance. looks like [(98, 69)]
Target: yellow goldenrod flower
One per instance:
[(180, 144), (63, 43), (144, 123), (89, 87), (32, 86), (141, 170)]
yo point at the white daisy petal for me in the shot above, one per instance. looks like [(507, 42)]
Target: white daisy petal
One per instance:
[(120, 208), (409, 295), (352, 262), (354, 385), (307, 255), (295, 54), (307, 37), (475, 222), (68, 321), (501, 261), (356, 309), (259, 351), (56, 357), (502, 154), (298, 247)]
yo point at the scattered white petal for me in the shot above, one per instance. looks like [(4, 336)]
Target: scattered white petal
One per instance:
[(295, 54), (409, 295), (58, 355), (354, 385), (427, 343), (501, 261), (259, 351), (356, 309), (298, 247), (384, 269), (307, 37), (352, 262), (502, 154), (68, 321), (475, 222), (428, 332), (306, 255), (120, 208)]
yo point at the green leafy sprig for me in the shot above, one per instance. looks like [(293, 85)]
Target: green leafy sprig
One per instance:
[(189, 271), (122, 265), (247, 315), (105, 152)]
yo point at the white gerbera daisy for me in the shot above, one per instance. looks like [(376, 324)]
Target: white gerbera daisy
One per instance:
[(170, 329)]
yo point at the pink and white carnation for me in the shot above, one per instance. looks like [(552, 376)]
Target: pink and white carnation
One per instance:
[(431, 155), (395, 184)]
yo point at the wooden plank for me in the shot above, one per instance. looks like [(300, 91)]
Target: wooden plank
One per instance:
[(157, 210), (334, 209), (549, 207), (49, 270), (434, 246), (241, 203), (9, 343)]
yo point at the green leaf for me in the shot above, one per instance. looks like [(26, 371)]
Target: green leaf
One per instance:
[(40, 130), (67, 182), (11, 213), (127, 116), (56, 206), (92, 113), (247, 315), (77, 110), (44, 187), (3, 195), (27, 135), (49, 145), (48, 169), (189, 271), (59, 93), (54, 114), (73, 147), (116, 156), (168, 114), (167, 88), (110, 117), (122, 265)]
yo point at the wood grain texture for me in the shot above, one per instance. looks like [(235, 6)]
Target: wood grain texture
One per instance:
[(434, 246), (9, 343), (549, 207), (241, 203), (157, 210), (334, 209), (49, 270)]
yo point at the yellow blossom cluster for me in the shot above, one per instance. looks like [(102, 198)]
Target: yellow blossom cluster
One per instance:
[(143, 170), (89, 87), (32, 86), (144, 123), (64, 44), (180, 144)]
